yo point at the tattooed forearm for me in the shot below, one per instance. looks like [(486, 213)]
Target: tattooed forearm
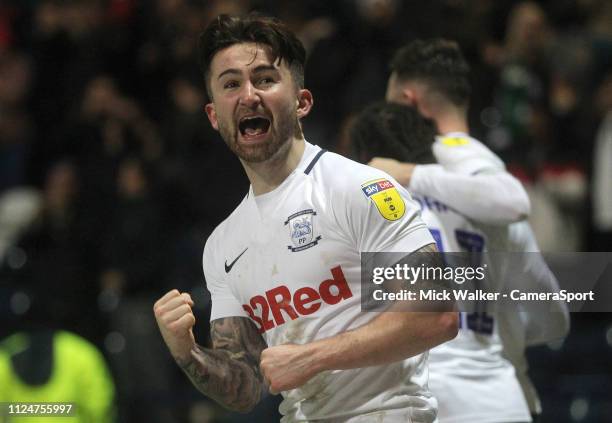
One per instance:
[(230, 382), (229, 372)]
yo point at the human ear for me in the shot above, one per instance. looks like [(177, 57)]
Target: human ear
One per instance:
[(304, 102), (409, 97), (212, 115)]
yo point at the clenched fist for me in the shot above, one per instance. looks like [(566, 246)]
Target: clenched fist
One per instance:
[(287, 366), (175, 320)]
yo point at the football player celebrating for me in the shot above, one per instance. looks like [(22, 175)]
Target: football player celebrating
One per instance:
[(284, 268)]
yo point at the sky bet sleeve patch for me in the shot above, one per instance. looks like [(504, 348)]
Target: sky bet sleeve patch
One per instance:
[(388, 201), (454, 141)]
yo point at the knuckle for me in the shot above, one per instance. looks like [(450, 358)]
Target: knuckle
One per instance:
[(175, 327)]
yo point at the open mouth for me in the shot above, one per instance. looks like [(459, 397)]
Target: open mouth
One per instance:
[(253, 126)]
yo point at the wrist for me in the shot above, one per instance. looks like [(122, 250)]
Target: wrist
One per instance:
[(184, 356), (320, 356)]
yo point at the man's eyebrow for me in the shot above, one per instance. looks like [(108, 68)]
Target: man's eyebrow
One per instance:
[(228, 71), (258, 69), (264, 68)]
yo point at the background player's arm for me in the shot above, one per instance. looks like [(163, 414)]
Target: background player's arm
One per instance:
[(229, 372), (492, 197), (495, 198), (390, 337), (549, 325), (540, 325)]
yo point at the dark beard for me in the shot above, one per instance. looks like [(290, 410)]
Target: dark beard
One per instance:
[(288, 127)]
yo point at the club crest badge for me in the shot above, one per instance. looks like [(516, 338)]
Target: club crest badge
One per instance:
[(385, 196), (302, 231)]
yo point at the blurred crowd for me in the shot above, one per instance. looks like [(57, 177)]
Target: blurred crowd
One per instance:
[(111, 177)]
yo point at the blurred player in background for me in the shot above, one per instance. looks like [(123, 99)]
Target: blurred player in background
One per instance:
[(471, 379), (471, 375), (284, 268), (432, 76)]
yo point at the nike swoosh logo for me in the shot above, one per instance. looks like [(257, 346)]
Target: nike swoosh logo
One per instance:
[(229, 267)]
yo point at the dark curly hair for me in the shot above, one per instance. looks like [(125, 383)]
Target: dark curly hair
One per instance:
[(225, 31), (393, 130), (439, 63)]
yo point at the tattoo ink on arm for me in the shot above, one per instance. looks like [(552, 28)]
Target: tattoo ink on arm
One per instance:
[(229, 372)]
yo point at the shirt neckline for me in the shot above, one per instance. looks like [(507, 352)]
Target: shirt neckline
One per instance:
[(309, 151)]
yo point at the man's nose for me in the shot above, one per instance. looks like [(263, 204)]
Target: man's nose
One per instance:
[(249, 96)]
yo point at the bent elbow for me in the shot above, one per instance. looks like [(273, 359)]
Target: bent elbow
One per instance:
[(522, 208), (243, 406), (508, 212), (518, 205), (243, 400), (508, 201), (244, 409)]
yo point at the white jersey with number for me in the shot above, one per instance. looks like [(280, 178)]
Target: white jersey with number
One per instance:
[(471, 375), (290, 261), (460, 153), (468, 375)]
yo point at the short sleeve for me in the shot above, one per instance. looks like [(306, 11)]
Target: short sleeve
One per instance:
[(224, 303), (380, 214)]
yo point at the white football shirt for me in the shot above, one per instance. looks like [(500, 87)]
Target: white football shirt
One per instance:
[(290, 260), (465, 155), (468, 375)]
